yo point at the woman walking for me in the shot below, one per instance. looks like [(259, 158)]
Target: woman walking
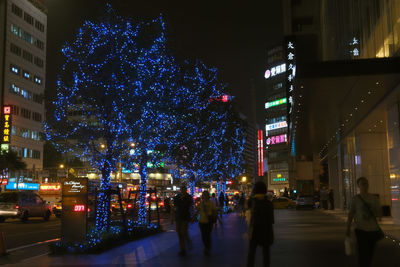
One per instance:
[(208, 216), (365, 208), (260, 226)]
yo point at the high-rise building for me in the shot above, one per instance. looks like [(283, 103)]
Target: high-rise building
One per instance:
[(23, 26), (350, 91)]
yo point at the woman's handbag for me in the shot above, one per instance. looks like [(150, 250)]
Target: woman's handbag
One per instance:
[(349, 246)]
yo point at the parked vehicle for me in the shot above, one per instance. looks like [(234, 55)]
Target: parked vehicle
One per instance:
[(23, 205), (283, 203), (305, 201), (57, 209)]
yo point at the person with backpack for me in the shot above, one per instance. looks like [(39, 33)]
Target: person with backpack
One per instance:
[(208, 216), (260, 227)]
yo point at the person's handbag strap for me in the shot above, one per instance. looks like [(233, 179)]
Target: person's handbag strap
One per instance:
[(369, 210)]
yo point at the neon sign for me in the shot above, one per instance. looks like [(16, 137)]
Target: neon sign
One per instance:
[(22, 186), (50, 187), (6, 127), (275, 71), (279, 179), (78, 208), (273, 126), (260, 150), (275, 103), (277, 139)]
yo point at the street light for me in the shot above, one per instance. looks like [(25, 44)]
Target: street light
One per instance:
[(244, 179), (102, 146), (61, 166), (133, 144)]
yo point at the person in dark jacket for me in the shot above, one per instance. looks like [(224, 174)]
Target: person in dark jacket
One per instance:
[(260, 226), (183, 203)]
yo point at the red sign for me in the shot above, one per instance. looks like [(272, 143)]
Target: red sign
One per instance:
[(79, 208), (260, 154), (4, 182), (7, 110)]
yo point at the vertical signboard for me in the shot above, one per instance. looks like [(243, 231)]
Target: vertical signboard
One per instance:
[(6, 125), (74, 210), (290, 55), (260, 150)]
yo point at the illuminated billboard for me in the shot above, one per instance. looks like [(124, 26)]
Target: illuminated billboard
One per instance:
[(276, 70), (275, 103), (260, 150), (274, 126), (277, 139), (6, 125)]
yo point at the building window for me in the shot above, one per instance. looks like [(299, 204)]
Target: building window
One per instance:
[(14, 110), (37, 116), (15, 49), (14, 89), (39, 62), (35, 135), (28, 18), (16, 30), (39, 26), (277, 86), (37, 98), (35, 154), (16, 10), (26, 75), (25, 152), (14, 69), (39, 44), (27, 56), (25, 113), (38, 80), (28, 38), (26, 94)]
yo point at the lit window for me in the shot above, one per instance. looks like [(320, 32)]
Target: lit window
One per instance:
[(38, 80), (14, 69), (16, 30), (27, 75)]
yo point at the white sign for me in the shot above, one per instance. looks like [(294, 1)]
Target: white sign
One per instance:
[(275, 71), (273, 126)]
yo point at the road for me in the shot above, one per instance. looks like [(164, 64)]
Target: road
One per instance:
[(35, 230)]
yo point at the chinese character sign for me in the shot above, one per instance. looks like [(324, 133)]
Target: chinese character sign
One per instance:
[(290, 74), (277, 139), (273, 126), (6, 125), (276, 70), (260, 149)]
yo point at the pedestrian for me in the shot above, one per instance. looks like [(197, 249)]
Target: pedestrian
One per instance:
[(214, 200), (365, 208), (183, 204), (331, 199), (324, 198), (242, 201), (260, 228), (208, 216), (221, 201)]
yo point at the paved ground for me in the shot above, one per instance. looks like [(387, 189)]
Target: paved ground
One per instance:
[(303, 238), (17, 233)]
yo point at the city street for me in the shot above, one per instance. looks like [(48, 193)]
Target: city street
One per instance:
[(303, 238), (35, 230)]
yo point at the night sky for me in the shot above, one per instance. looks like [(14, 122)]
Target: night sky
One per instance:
[(232, 37)]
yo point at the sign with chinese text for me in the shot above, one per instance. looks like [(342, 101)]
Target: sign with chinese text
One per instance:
[(277, 139), (6, 125), (50, 187), (290, 74), (275, 71), (275, 103), (273, 126)]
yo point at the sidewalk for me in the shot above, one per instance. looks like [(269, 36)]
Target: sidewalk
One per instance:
[(391, 229), (161, 250)]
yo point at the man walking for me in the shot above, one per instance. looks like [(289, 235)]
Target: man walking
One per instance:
[(183, 203)]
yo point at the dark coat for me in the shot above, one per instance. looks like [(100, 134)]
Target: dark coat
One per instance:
[(261, 221)]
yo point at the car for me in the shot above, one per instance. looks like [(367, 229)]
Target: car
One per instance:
[(283, 203), (305, 201), (23, 205), (57, 209)]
